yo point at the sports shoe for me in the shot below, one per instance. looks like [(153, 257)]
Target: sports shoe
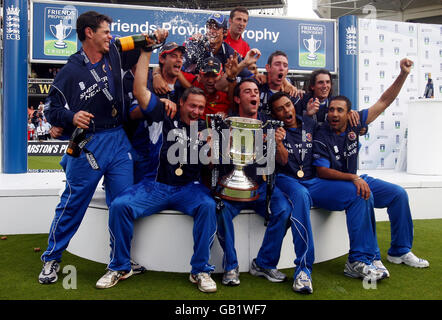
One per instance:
[(204, 281), (49, 272), (302, 283), (137, 268), (231, 278), (380, 266), (273, 275), (409, 259), (112, 277), (361, 270)]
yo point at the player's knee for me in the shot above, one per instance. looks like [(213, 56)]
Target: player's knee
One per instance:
[(118, 206), (400, 193)]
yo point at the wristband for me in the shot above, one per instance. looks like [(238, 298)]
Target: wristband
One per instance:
[(230, 79), (356, 179)]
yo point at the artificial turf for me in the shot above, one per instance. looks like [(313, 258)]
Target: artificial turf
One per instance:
[(21, 264), (44, 162)]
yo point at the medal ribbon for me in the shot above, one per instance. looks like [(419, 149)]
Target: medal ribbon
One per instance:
[(97, 78), (300, 160)]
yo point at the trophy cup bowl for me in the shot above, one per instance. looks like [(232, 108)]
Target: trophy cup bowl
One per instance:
[(312, 45), (61, 32), (236, 185)]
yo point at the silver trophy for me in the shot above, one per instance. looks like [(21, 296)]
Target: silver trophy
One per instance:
[(236, 185), (312, 45), (243, 137), (60, 32)]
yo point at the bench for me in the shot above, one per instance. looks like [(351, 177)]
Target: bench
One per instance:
[(164, 242)]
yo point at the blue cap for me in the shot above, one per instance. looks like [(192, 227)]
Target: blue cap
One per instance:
[(219, 19)]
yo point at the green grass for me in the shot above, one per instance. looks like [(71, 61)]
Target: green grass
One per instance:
[(20, 267), (44, 162)]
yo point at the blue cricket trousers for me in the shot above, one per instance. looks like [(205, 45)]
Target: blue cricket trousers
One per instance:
[(395, 199), (111, 149), (300, 223), (269, 253), (148, 197), (336, 195)]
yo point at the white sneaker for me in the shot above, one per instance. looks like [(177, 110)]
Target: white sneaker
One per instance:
[(231, 278), (409, 259), (302, 283), (204, 281), (380, 266), (358, 269), (48, 273), (112, 277)]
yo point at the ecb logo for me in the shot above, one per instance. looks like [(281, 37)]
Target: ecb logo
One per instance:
[(60, 38)]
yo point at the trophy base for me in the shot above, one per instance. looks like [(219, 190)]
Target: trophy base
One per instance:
[(312, 57), (237, 195), (237, 187), (60, 45)]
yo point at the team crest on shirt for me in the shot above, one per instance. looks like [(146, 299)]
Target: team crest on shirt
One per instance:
[(352, 136), (309, 137)]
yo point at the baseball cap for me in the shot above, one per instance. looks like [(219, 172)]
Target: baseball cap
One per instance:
[(171, 46), (219, 19), (211, 64)]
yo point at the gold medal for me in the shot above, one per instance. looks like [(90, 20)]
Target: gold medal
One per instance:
[(300, 173), (264, 177), (179, 171), (114, 112)]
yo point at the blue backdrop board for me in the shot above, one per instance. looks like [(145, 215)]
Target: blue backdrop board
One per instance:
[(348, 58), (310, 44), (15, 61)]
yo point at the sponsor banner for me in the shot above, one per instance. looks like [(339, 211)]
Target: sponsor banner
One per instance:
[(39, 86), (49, 148), (309, 43), (382, 44)]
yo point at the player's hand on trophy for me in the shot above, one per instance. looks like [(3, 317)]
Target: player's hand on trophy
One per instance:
[(279, 135)]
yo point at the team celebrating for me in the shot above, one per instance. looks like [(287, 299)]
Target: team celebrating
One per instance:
[(129, 110)]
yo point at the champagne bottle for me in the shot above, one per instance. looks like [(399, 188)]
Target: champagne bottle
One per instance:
[(74, 148), (134, 41)]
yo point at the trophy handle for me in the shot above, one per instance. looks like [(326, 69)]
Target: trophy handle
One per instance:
[(319, 45), (305, 45), (68, 32), (51, 27), (272, 124)]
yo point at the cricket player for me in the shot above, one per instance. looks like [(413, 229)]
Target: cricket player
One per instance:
[(335, 157)]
